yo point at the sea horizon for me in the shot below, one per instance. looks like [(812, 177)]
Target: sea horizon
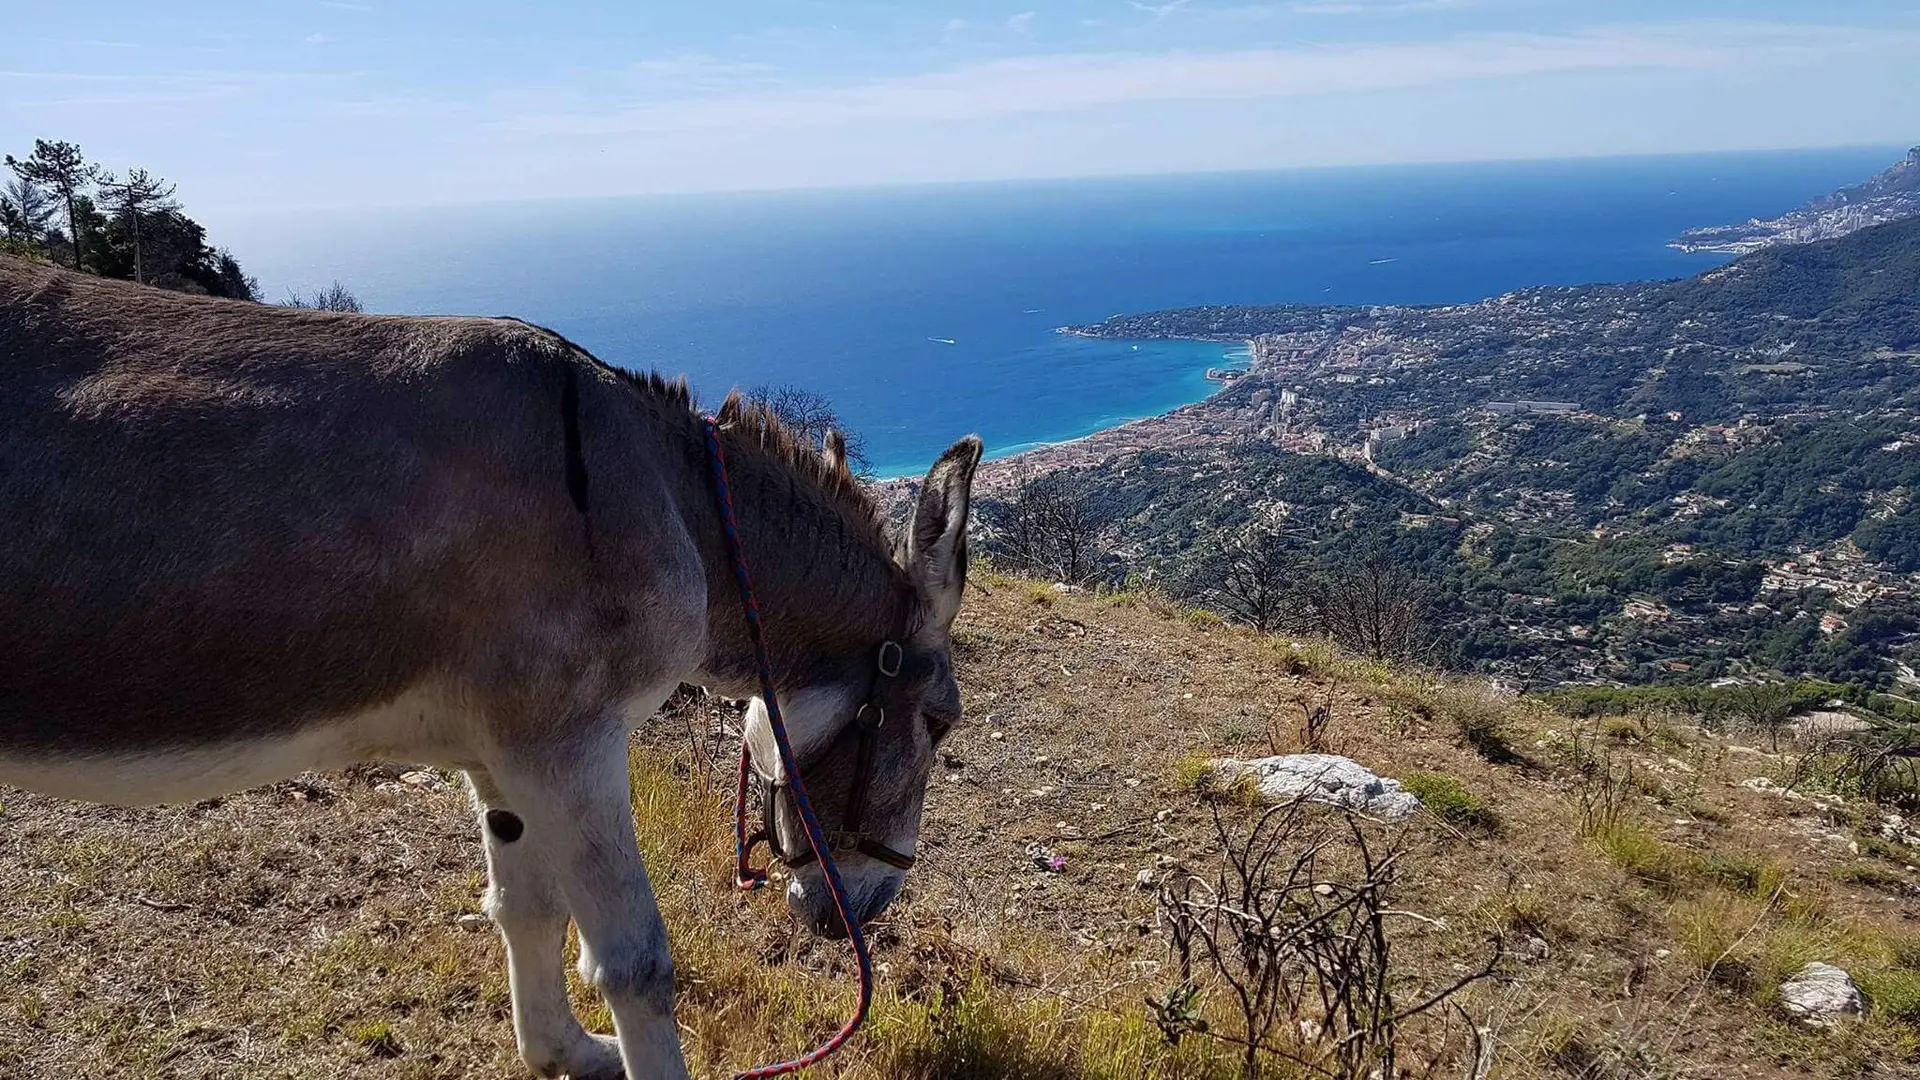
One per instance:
[(926, 312)]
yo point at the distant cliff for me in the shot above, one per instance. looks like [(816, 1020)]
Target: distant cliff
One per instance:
[(1890, 196)]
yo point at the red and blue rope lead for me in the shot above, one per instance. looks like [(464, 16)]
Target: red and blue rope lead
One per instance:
[(745, 876)]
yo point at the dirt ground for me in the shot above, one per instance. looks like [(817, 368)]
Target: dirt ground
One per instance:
[(328, 926)]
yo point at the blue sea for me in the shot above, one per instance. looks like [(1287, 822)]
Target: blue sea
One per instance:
[(928, 312)]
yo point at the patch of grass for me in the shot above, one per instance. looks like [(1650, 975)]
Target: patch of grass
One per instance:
[(1893, 994), (1742, 872), (1706, 927), (1204, 620), (1193, 772), (378, 1039), (1451, 802), (1484, 721), (1622, 729), (1527, 913), (1038, 593), (1482, 717), (1872, 843), (1871, 874), (1634, 848)]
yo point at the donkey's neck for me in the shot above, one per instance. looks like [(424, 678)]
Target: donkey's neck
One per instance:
[(825, 580)]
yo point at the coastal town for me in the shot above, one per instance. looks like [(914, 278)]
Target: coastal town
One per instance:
[(1637, 416)]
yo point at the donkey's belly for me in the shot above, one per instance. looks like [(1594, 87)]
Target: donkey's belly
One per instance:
[(418, 726)]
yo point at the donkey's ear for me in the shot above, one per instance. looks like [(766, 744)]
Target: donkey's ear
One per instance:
[(835, 451), (936, 549)]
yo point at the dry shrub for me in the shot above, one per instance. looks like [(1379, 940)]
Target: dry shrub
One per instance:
[(1290, 932)]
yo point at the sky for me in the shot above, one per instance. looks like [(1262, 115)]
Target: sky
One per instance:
[(307, 104)]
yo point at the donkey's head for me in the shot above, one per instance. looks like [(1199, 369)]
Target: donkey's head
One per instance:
[(865, 736)]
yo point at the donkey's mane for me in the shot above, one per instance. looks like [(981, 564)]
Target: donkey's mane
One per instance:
[(754, 422)]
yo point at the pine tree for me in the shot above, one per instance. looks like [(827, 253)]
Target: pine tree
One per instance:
[(25, 210), (60, 166), (140, 193)]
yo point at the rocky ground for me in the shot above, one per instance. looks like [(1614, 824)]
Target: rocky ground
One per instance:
[(328, 926)]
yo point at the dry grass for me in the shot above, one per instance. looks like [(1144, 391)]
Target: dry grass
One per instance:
[(313, 929)]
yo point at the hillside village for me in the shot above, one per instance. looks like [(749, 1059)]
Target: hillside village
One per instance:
[(1763, 417)]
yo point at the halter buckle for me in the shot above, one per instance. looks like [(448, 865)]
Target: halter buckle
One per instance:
[(879, 712), (892, 657)]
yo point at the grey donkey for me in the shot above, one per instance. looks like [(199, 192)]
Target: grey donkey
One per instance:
[(243, 541)]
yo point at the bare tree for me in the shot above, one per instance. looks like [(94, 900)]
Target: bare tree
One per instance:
[(61, 167), (810, 415), (334, 297), (1380, 610), (140, 193), (25, 210), (1049, 528), (1765, 706), (1254, 580)]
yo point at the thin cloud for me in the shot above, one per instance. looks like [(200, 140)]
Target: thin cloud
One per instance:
[(1360, 7), (1021, 23), (317, 39), (1159, 11), (1068, 82)]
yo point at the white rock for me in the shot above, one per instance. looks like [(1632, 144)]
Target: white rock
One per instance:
[(1821, 995), (1325, 778), (1143, 880)]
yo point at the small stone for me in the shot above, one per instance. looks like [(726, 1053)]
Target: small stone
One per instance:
[(1821, 995), (1322, 778), (1131, 781), (1323, 889), (1662, 954), (1143, 880), (472, 923), (1537, 949), (996, 735)]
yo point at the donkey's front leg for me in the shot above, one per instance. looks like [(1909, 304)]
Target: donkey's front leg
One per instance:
[(524, 900), (573, 797)]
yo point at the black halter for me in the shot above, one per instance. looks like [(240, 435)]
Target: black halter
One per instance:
[(867, 722)]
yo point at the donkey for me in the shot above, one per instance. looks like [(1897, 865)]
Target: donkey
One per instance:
[(243, 541)]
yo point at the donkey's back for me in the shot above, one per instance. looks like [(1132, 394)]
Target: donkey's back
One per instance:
[(241, 540)]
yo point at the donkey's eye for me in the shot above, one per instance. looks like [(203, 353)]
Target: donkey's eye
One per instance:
[(940, 721)]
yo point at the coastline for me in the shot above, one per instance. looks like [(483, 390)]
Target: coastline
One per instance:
[(1016, 456)]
